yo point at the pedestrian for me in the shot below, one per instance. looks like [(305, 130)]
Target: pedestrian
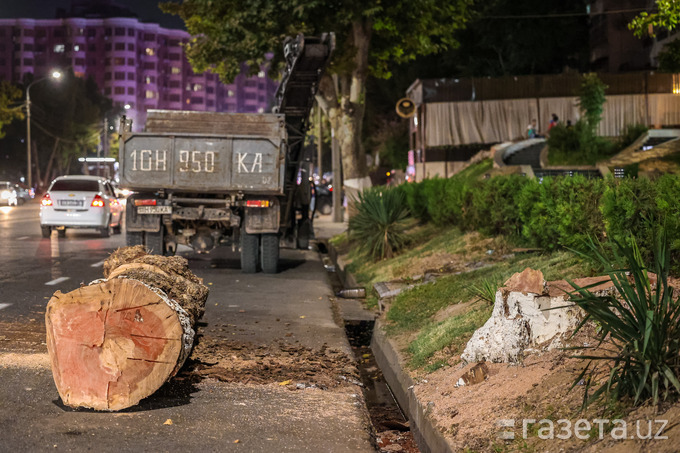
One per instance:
[(553, 122), (532, 129)]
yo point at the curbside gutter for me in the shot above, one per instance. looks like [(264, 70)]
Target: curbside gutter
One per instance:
[(386, 354)]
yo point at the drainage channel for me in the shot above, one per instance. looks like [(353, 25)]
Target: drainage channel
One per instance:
[(390, 426)]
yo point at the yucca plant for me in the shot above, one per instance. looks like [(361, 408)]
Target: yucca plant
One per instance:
[(379, 225), (485, 291), (641, 323)]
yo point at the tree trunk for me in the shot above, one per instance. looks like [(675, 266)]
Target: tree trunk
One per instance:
[(118, 339), (343, 100)]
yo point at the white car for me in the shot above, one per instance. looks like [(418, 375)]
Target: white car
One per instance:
[(80, 202)]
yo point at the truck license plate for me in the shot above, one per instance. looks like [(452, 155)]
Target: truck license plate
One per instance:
[(154, 209)]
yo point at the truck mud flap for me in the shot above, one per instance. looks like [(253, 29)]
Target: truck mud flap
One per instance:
[(141, 222), (263, 220)]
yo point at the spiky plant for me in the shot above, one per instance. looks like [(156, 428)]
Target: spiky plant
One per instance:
[(378, 227), (485, 290), (641, 322)]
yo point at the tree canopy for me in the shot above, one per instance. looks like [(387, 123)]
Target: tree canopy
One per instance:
[(9, 111), (667, 16), (370, 35)]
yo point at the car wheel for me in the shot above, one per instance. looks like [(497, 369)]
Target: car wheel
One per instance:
[(117, 229), (106, 231), (61, 233), (21, 201), (269, 253), (250, 251), (46, 231)]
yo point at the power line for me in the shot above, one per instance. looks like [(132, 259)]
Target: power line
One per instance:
[(560, 15)]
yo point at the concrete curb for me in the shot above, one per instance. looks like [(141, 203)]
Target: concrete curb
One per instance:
[(426, 435)]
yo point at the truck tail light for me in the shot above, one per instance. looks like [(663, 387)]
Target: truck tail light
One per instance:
[(46, 200), (145, 202), (97, 202), (257, 203)]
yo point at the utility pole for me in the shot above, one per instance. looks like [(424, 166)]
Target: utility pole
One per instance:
[(337, 179)]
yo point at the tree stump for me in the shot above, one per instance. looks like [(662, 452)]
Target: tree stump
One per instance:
[(118, 339)]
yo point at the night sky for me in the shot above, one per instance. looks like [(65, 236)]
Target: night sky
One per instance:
[(147, 10)]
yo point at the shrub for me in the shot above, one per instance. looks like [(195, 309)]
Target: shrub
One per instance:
[(494, 206), (630, 133), (642, 322), (379, 225), (414, 197)]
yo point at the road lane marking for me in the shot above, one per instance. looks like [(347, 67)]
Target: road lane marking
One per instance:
[(57, 281), (23, 238), (4, 306), (99, 264)]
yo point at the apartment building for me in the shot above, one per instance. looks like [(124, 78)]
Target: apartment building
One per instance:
[(138, 65)]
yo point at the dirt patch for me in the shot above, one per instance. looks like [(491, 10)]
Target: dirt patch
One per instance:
[(452, 310), (24, 336), (295, 367)]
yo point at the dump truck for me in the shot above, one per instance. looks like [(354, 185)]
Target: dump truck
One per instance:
[(206, 179)]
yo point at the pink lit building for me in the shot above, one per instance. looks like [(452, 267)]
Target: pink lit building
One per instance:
[(141, 65)]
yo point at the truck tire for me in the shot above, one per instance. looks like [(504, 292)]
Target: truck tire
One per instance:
[(250, 251), (154, 241), (46, 231), (134, 238), (270, 253), (303, 233)]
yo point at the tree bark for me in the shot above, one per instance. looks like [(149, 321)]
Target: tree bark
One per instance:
[(117, 340), (342, 97)]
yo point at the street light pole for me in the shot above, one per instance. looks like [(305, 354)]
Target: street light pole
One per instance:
[(29, 175)]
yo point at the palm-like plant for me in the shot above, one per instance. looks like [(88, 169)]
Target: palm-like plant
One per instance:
[(379, 225), (642, 322)]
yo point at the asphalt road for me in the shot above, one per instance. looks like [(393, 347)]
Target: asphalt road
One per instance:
[(293, 307)]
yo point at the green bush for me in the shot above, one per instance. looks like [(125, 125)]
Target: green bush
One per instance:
[(630, 133), (414, 197), (641, 322), (494, 206), (378, 227)]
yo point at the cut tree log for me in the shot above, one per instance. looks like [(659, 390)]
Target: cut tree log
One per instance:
[(118, 339)]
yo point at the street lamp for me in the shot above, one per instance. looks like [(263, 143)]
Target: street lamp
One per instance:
[(56, 75)]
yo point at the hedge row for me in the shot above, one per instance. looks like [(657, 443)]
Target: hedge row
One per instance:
[(553, 212)]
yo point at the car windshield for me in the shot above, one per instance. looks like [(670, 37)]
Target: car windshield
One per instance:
[(74, 185)]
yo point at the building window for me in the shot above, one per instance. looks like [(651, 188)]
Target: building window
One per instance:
[(119, 75), (107, 76), (131, 31), (107, 61), (174, 56), (28, 61), (91, 32), (150, 79), (58, 33), (174, 84), (210, 103), (250, 96), (131, 61), (131, 47), (174, 98), (250, 83), (80, 62), (130, 91), (149, 94), (131, 76), (198, 87), (119, 61), (230, 93), (40, 33), (92, 47), (28, 32), (120, 46), (28, 47), (149, 37), (149, 66), (107, 31), (210, 90), (174, 42), (107, 47), (59, 48), (76, 48), (119, 31), (119, 90), (150, 52), (175, 70)]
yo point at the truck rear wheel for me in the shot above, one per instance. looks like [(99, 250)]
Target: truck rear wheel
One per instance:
[(250, 251), (154, 241), (134, 238), (270, 253)]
